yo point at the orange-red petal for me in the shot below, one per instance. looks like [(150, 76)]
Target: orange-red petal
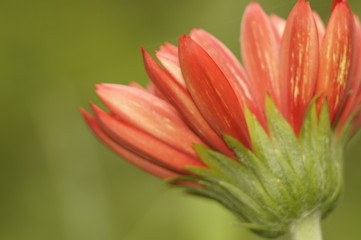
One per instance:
[(278, 25), (143, 144), (232, 70), (336, 60), (181, 99), (150, 114), (133, 158), (152, 89), (211, 91), (260, 52), (320, 26), (171, 64), (353, 97), (299, 61), (169, 48)]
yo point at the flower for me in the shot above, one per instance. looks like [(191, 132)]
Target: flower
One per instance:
[(265, 140)]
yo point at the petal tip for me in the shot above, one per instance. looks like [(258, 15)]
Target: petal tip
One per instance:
[(85, 114), (144, 52), (89, 119), (196, 31), (337, 3), (254, 6), (96, 110), (184, 38)]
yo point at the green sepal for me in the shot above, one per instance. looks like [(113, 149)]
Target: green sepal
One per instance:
[(282, 178), (229, 196), (212, 190), (266, 148), (239, 180), (286, 141)]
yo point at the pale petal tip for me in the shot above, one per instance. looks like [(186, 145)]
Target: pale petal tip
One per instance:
[(102, 93), (195, 31), (167, 45), (304, 3), (136, 85), (254, 4), (163, 54), (168, 48), (251, 7), (107, 86), (110, 97)]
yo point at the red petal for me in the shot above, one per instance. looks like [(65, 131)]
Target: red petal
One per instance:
[(128, 155), (143, 144), (231, 68), (152, 89), (224, 58), (335, 2), (260, 51), (211, 91), (136, 85), (169, 48), (357, 69), (171, 64), (181, 99), (352, 98), (320, 26), (335, 60), (150, 114), (278, 25), (299, 61)]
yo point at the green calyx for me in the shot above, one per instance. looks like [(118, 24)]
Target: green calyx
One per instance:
[(283, 179)]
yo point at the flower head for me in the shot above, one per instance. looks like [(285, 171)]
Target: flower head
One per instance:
[(266, 139)]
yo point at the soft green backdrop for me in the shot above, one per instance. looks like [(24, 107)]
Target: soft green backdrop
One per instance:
[(57, 181)]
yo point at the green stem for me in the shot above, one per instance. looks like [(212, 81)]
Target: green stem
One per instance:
[(308, 228)]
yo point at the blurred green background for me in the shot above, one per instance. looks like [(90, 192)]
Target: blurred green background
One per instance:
[(57, 181)]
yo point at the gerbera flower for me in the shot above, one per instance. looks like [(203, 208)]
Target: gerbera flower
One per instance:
[(266, 140)]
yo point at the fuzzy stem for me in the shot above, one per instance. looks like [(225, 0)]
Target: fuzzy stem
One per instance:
[(308, 228)]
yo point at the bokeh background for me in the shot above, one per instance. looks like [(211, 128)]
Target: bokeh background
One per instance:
[(56, 180)]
